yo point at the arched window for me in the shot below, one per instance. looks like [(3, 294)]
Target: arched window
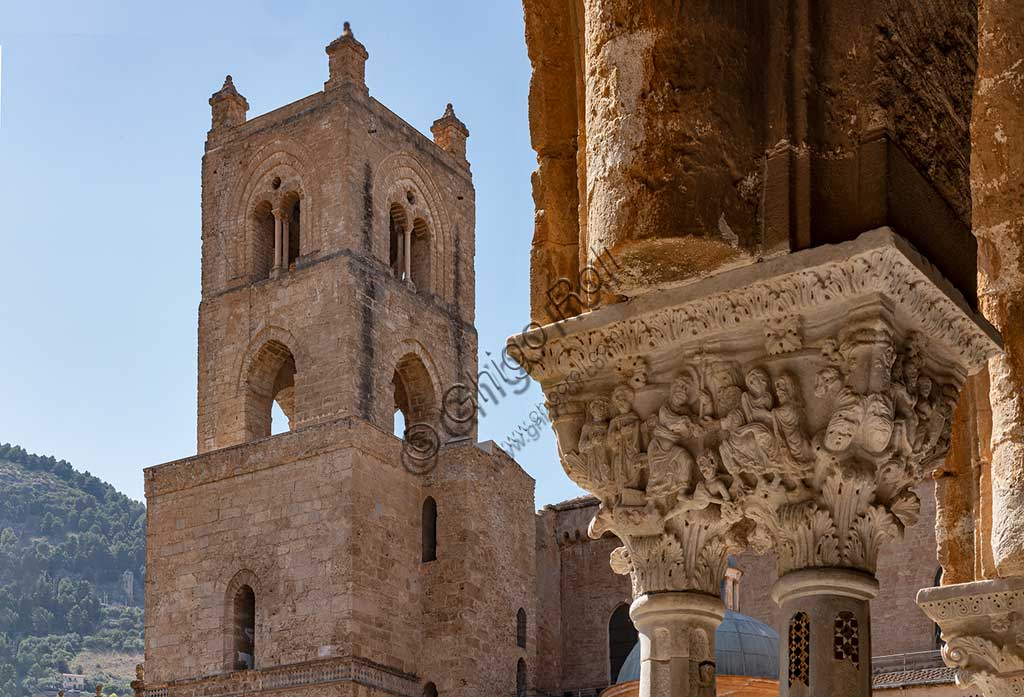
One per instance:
[(263, 241), (521, 678), (622, 637), (521, 628), (271, 379), (419, 256), (244, 628), (414, 391), (429, 529), (430, 690), (397, 230)]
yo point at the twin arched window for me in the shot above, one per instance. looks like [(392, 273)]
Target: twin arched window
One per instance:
[(409, 248), (277, 229)]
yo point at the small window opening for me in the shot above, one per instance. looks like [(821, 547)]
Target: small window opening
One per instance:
[(245, 628), (399, 424), (263, 242), (521, 678), (397, 223), (430, 690), (429, 528), (294, 236), (419, 256), (521, 628)]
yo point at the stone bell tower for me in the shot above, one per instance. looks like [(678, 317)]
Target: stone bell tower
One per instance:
[(337, 276)]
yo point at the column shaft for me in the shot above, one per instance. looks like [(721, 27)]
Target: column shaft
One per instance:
[(677, 643), (825, 632)]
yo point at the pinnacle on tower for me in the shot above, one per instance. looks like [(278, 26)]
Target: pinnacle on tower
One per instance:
[(229, 107), (346, 61), (450, 134)]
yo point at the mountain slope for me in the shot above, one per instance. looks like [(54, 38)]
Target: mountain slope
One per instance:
[(72, 558)]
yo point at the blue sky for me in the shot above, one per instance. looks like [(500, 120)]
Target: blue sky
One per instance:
[(103, 114)]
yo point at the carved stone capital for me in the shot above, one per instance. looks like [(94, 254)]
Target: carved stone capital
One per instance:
[(982, 626), (789, 405)]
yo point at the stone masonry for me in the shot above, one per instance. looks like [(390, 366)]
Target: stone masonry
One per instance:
[(338, 249)]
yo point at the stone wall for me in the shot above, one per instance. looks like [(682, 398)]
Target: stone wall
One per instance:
[(324, 524)]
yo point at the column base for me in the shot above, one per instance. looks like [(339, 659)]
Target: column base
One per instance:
[(677, 643), (982, 626), (826, 632)]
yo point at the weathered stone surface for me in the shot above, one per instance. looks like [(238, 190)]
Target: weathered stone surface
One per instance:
[(997, 132), (694, 137)]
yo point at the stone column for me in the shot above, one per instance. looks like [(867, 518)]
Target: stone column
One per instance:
[(677, 643), (825, 624), (997, 137), (982, 618), (670, 119), (789, 406), (278, 221)]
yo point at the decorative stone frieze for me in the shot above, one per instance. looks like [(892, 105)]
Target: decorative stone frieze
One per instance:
[(982, 625)]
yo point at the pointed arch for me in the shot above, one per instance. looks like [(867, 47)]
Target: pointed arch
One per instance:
[(396, 176)]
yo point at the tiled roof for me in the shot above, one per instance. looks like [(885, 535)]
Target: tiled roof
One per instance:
[(905, 678)]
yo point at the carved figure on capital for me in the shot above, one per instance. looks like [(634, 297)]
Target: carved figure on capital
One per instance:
[(671, 463)]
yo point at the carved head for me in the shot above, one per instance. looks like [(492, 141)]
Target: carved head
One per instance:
[(708, 467), (679, 392), (599, 409), (924, 387), (911, 371), (842, 428), (622, 398), (757, 381), (786, 389), (826, 382)]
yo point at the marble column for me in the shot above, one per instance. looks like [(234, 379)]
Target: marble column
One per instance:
[(791, 406)]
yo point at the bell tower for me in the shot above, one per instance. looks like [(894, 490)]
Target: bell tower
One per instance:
[(337, 282), (337, 261)]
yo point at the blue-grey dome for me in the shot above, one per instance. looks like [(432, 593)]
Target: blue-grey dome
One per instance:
[(743, 646)]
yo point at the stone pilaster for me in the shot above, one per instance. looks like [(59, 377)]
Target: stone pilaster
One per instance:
[(982, 625), (790, 405)]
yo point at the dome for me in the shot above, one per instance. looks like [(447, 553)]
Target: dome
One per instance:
[(743, 646)]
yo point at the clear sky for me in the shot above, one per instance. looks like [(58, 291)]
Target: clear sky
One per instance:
[(103, 115)]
